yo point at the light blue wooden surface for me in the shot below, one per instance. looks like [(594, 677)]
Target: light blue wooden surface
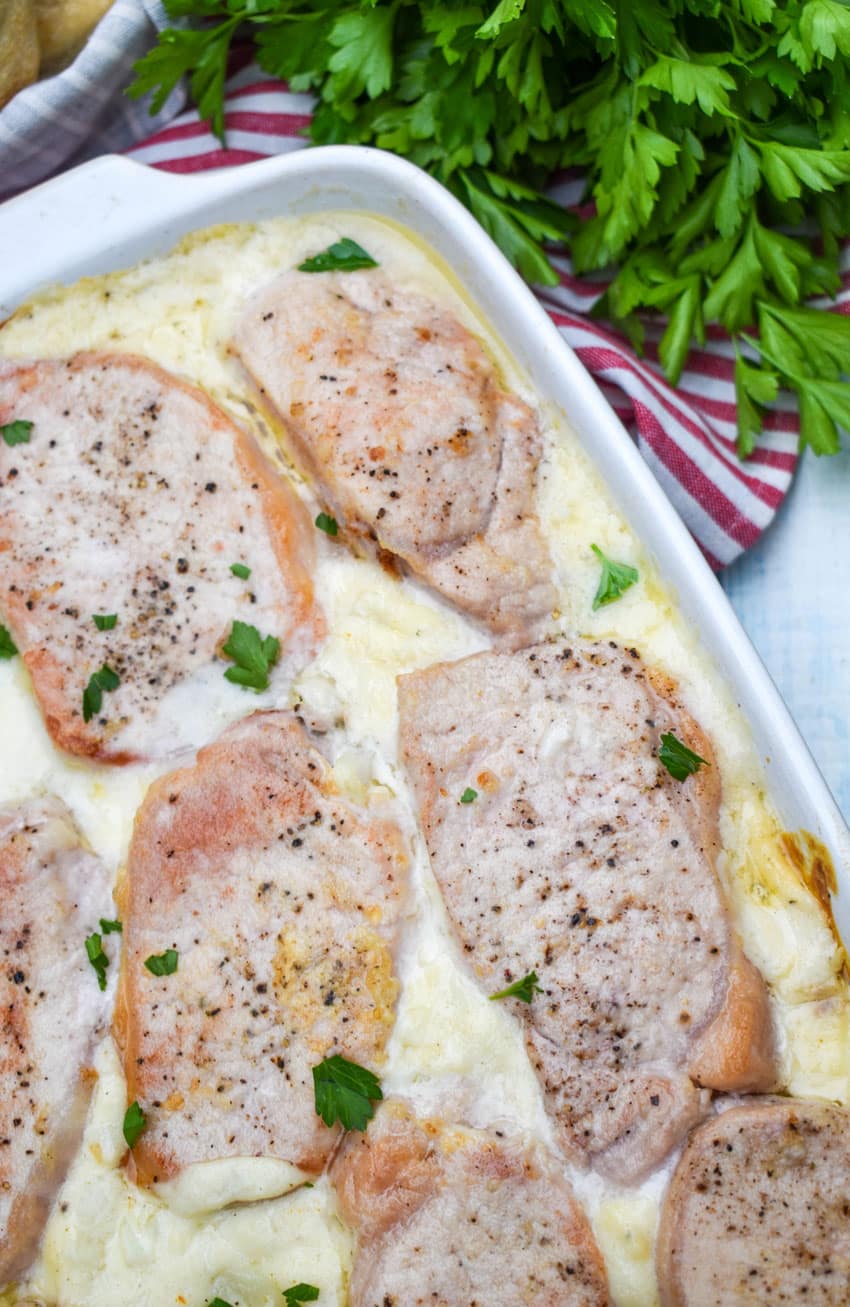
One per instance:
[(792, 594)]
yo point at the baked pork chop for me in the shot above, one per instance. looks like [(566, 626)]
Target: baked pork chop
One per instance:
[(758, 1210), (128, 494), (454, 1218), (581, 858), (281, 903), (394, 410), (52, 894)]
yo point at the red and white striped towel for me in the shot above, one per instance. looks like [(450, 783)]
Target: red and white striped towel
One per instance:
[(686, 433)]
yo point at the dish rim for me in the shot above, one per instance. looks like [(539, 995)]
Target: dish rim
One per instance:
[(112, 212)]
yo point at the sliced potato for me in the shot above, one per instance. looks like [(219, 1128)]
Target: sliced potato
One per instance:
[(18, 47)]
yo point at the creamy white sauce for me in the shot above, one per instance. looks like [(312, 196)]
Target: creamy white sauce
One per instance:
[(230, 1228), (109, 1242)]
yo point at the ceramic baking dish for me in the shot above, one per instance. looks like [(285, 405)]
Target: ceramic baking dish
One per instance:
[(111, 213)]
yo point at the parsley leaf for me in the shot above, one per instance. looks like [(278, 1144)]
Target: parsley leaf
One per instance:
[(739, 182), (524, 989), (111, 927), (754, 388), (8, 648), (684, 322), (516, 218), (616, 578), (162, 964), (713, 137), (97, 957), (680, 761), (105, 621), (469, 795), (200, 55), (300, 1293), (824, 406), (343, 256), (329, 525), (345, 1092), (362, 59), (17, 432), (788, 169), (218, 1302), (105, 679), (688, 82), (253, 654), (134, 1125), (240, 570)]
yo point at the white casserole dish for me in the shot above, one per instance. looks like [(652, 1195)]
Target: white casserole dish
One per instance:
[(111, 213)]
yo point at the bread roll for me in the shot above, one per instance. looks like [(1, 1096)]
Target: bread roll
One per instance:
[(18, 47), (63, 26)]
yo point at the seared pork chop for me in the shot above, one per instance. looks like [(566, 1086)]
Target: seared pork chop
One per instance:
[(52, 894), (281, 900), (581, 858), (758, 1210), (132, 495), (392, 407), (454, 1218)]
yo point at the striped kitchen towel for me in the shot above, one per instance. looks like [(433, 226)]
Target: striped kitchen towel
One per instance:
[(686, 433)]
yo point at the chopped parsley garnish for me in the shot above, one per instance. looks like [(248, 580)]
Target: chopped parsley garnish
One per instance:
[(343, 256), (17, 432), (105, 621), (253, 655), (111, 927), (8, 648), (134, 1124), (105, 679), (469, 795), (97, 957), (524, 989), (614, 581), (162, 964), (240, 570), (345, 1092), (680, 761), (328, 524), (300, 1293), (219, 1302)]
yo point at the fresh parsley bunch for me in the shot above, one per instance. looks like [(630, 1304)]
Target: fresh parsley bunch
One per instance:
[(710, 132)]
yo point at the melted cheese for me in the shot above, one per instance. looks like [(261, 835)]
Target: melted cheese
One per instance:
[(115, 1243), (104, 800), (231, 1228)]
